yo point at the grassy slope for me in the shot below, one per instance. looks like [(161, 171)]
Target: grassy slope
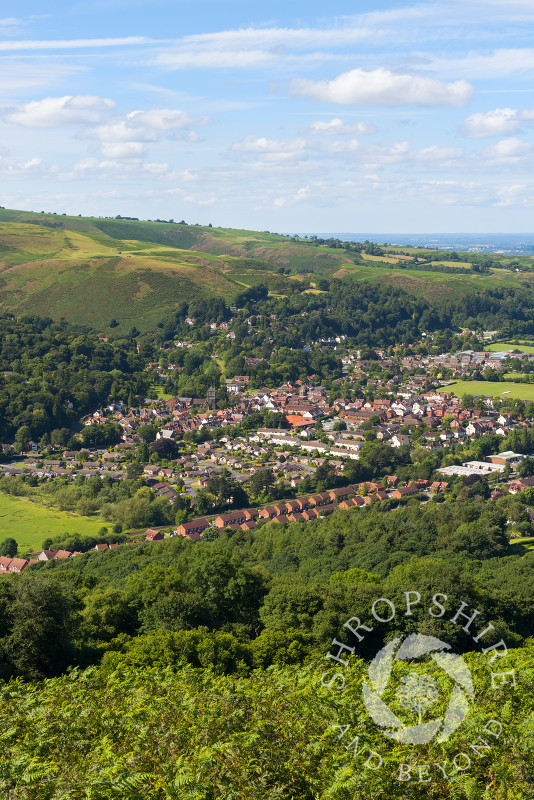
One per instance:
[(428, 284), (29, 523), (91, 270)]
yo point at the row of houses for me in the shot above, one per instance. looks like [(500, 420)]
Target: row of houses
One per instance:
[(308, 507)]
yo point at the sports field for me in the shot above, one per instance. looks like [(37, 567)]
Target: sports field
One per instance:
[(519, 391), (29, 523)]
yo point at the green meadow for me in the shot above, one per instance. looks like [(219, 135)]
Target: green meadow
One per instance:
[(29, 523), (518, 391), (499, 347)]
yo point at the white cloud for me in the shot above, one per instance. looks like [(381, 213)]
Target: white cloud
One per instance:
[(493, 123), (272, 150), (12, 168), (146, 126), (269, 38), (383, 87), (498, 122), (253, 144), (20, 75), (508, 151), (345, 146), (72, 44), (518, 194), (122, 149), (336, 127), (500, 63), (56, 111), (216, 59), (436, 154), (8, 24)]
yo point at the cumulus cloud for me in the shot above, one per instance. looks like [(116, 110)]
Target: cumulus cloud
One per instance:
[(508, 151), (272, 150), (383, 87), (498, 122), (12, 168), (55, 111), (345, 146), (122, 149), (437, 153), (336, 127), (146, 126)]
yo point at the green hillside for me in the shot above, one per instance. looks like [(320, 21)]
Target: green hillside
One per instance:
[(90, 270)]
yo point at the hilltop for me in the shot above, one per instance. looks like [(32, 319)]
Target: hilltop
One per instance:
[(91, 270)]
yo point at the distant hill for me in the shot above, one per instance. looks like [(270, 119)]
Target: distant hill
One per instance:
[(91, 270)]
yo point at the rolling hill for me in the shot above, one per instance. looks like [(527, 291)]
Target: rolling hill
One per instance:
[(90, 270)]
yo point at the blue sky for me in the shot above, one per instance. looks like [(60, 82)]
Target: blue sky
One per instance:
[(283, 116)]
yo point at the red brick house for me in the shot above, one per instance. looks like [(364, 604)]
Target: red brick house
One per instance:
[(152, 535), (405, 491), (195, 527)]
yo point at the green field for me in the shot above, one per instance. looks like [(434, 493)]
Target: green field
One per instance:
[(30, 523), (519, 391), (160, 392), (499, 347)]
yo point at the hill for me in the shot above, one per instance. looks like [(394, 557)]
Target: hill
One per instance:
[(91, 270)]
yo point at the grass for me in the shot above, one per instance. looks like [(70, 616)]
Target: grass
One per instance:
[(517, 391), (521, 545), (499, 347), (29, 523), (159, 392)]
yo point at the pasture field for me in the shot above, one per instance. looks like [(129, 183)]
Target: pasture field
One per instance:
[(29, 523), (499, 347), (517, 391)]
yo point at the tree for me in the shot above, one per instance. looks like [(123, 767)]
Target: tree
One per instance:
[(22, 437), (165, 448), (37, 606), (261, 483), (8, 547), (525, 468), (134, 470), (204, 502)]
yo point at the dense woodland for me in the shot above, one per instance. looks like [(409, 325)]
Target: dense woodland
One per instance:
[(54, 373)]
